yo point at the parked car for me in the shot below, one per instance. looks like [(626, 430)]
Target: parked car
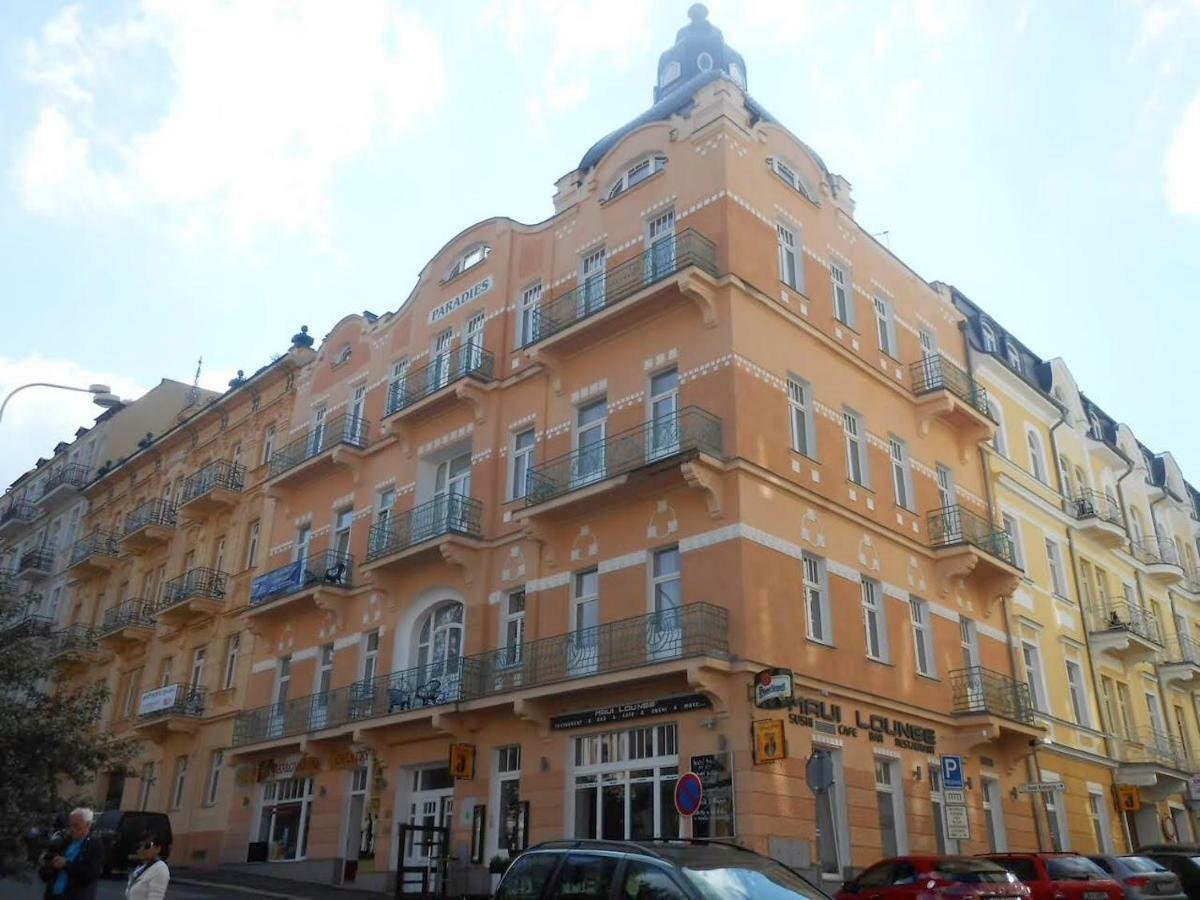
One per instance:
[(1182, 859), (1059, 876), (120, 831), (1141, 877), (907, 877), (664, 869)]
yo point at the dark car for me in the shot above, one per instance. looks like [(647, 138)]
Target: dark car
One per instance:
[(931, 876), (1059, 876), (1141, 877), (121, 830), (664, 869), (1182, 859)]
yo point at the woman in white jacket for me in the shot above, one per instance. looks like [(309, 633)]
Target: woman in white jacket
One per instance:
[(149, 880)]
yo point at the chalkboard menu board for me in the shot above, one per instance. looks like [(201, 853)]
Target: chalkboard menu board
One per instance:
[(714, 818)]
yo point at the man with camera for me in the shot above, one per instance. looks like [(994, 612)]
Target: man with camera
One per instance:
[(72, 865)]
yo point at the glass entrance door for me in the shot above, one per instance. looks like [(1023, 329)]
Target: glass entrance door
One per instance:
[(431, 805)]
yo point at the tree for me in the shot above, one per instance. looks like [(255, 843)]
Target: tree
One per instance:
[(52, 742)]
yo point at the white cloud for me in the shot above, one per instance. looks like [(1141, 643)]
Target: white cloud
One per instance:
[(38, 418), (1182, 169), (228, 119)]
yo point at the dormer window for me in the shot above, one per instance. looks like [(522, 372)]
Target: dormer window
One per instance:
[(1014, 356), (636, 174), (470, 258), (1094, 422), (670, 73), (989, 337), (792, 177), (704, 61), (735, 72)]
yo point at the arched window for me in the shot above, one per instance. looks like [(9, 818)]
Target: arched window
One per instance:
[(735, 72), (989, 337), (1094, 422), (1037, 464), (669, 73), (636, 174), (1014, 355), (792, 177), (1064, 475), (439, 640), (471, 257), (704, 61), (1136, 531)]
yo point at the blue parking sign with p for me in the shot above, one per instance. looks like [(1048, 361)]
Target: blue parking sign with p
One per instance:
[(952, 773)]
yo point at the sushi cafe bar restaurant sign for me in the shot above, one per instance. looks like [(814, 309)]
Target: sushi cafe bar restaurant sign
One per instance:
[(775, 689)]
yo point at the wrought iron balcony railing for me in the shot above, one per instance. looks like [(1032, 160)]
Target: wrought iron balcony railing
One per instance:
[(39, 559), (467, 360), (952, 525), (98, 543), (135, 613), (1091, 504), (72, 639), (689, 431), (980, 690), (220, 473), (443, 515), (696, 629), (937, 373), (152, 512), (19, 511), (352, 431), (27, 626), (327, 568), (199, 583), (1119, 615), (71, 475), (1181, 649), (663, 259), (1147, 746), (1153, 551), (173, 700)]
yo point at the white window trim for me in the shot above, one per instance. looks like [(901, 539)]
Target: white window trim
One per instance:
[(923, 636), (1037, 454), (821, 585), (805, 410), (531, 452), (896, 790), (901, 473), (885, 325), (1084, 715), (791, 248), (999, 829), (796, 182), (620, 185), (860, 444), (881, 619)]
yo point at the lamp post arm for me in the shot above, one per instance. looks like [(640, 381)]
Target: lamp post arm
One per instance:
[(65, 387)]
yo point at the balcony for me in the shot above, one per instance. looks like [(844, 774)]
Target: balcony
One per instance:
[(322, 578), (36, 564), (970, 550), (149, 525), (96, 552), (1098, 516), (130, 624), (196, 594), (948, 394), (336, 442), (75, 646), (1125, 632), (27, 626), (174, 708), (627, 293), (426, 390), (649, 644), (17, 514), (992, 707), (1180, 662), (1156, 762), (654, 447), (212, 489), (63, 485), (1159, 559), (449, 518)]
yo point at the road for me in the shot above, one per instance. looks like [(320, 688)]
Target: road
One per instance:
[(114, 889)]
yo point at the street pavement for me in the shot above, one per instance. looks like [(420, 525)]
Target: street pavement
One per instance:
[(114, 889)]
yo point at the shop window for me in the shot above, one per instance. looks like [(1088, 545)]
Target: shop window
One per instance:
[(286, 808), (624, 784)]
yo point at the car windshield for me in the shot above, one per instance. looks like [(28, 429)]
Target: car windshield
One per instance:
[(108, 819), (759, 880), (972, 871), (1072, 868), (1141, 864)]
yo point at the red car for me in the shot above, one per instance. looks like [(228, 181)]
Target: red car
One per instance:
[(932, 878), (1059, 876)]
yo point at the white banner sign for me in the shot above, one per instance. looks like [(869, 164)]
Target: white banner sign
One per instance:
[(158, 700)]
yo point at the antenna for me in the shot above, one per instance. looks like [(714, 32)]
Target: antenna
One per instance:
[(194, 395), (887, 237)]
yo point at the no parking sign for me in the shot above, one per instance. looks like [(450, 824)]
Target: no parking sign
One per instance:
[(688, 791)]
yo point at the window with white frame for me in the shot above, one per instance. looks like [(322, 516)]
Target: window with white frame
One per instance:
[(989, 337), (843, 298), (789, 261), (531, 301), (874, 620), (993, 815), (886, 326), (792, 177), (947, 494), (800, 415), (397, 381), (252, 536), (179, 781), (999, 440), (945, 845), (1058, 580), (468, 259), (901, 473), (513, 626), (1056, 817), (511, 828), (624, 784), (233, 650), (1037, 460), (1014, 535), (284, 822), (1013, 355), (928, 343), (148, 779), (889, 801), (818, 621), (856, 446), (370, 657), (1098, 813), (922, 636), (268, 444), (213, 786), (1034, 675), (636, 174), (1078, 694), (522, 460)]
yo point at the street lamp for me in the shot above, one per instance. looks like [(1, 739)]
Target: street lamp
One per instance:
[(102, 395)]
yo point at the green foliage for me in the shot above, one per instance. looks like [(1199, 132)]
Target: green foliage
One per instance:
[(51, 743)]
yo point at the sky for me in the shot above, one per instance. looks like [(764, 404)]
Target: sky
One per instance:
[(186, 179)]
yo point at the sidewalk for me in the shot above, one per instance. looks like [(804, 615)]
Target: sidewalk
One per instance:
[(250, 884)]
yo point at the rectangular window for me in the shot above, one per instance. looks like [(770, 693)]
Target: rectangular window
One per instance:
[(252, 535), (179, 781), (1078, 693), (789, 268), (901, 473), (1085, 582), (1058, 581), (886, 327), (1181, 728), (1014, 536), (800, 415), (993, 816), (843, 299), (1099, 816), (968, 638), (531, 301), (889, 800), (1034, 676), (1125, 709), (233, 649), (370, 659), (928, 343), (214, 777), (397, 396), (514, 628), (624, 783), (816, 600), (135, 690), (584, 621), (856, 447), (511, 836), (923, 636), (590, 432), (343, 524), (522, 460), (945, 845), (874, 620), (947, 494), (268, 445), (148, 779), (199, 663), (1056, 818)]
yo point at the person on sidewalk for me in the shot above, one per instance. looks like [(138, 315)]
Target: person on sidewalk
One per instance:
[(149, 880), (74, 872)]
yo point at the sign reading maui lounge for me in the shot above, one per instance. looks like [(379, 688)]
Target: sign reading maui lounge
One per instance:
[(626, 711), (472, 293)]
